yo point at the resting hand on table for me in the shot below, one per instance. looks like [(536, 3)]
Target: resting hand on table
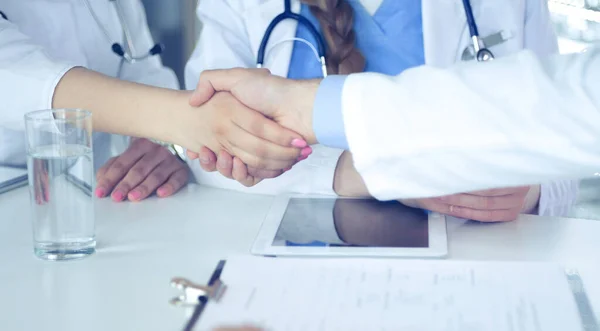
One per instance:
[(144, 168), (275, 97), (496, 205)]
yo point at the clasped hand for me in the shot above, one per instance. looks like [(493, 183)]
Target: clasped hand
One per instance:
[(257, 89)]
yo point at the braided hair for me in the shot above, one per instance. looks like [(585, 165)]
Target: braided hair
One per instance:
[(336, 18)]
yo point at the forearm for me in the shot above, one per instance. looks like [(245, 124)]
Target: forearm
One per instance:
[(553, 129), (347, 181), (118, 106)]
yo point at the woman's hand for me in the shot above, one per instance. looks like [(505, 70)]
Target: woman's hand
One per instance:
[(496, 205), (144, 168)]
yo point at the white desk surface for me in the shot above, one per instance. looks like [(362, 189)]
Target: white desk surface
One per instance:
[(141, 246)]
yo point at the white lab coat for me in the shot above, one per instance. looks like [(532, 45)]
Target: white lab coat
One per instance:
[(43, 39), (522, 121), (233, 29)]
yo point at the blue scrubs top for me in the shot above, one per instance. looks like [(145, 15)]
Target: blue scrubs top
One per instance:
[(391, 40)]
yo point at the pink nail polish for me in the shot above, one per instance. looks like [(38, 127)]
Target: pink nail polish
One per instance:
[(299, 143), (287, 169), (161, 192), (135, 195), (100, 192), (302, 158), (118, 196), (306, 151)]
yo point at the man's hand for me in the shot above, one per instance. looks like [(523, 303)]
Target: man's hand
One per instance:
[(497, 205), (143, 169)]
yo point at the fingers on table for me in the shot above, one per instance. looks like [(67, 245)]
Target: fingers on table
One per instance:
[(177, 179), (485, 215), (109, 175), (483, 202), (521, 190), (138, 173)]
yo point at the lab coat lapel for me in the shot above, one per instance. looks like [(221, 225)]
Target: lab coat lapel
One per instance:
[(445, 33), (257, 19)]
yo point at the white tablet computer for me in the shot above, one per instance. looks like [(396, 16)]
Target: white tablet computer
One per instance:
[(335, 227)]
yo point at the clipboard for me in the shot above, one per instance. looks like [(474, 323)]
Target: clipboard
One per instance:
[(215, 290), (199, 295)]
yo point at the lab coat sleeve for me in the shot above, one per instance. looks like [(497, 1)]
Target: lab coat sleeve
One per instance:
[(28, 76), (224, 43), (151, 70), (556, 197), (514, 121)]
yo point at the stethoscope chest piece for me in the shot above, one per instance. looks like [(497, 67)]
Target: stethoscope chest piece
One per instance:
[(484, 55)]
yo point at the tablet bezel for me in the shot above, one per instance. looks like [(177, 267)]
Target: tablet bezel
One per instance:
[(263, 243)]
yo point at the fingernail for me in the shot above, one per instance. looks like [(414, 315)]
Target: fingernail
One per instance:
[(306, 151), (118, 196), (287, 169), (135, 195), (205, 160), (162, 192), (100, 192), (302, 158), (299, 143)]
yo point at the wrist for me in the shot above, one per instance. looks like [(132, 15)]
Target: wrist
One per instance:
[(301, 95), (166, 122), (532, 200)]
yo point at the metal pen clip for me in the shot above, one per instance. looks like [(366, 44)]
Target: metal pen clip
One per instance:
[(192, 292)]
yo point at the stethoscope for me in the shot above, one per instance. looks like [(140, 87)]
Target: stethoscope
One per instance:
[(288, 14), (125, 53), (482, 53)]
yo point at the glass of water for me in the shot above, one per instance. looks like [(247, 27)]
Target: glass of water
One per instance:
[(61, 171)]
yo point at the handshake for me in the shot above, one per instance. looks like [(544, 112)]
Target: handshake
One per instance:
[(253, 125)]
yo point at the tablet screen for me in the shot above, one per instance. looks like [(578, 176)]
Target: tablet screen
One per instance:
[(352, 222)]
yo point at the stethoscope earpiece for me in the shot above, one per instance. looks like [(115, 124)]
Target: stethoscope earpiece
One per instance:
[(157, 49), (118, 49)]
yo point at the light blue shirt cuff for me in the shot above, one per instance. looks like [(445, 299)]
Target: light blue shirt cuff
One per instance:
[(328, 119)]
